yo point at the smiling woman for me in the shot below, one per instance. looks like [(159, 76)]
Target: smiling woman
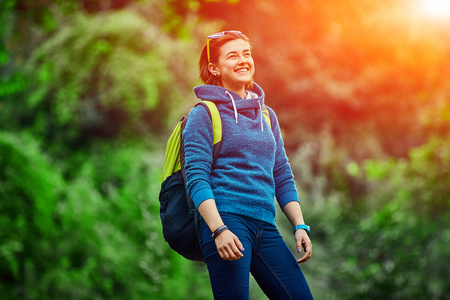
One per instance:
[(438, 9), (234, 191)]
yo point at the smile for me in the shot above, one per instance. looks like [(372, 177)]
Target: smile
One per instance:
[(242, 70)]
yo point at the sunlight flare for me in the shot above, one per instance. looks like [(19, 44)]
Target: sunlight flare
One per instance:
[(439, 9)]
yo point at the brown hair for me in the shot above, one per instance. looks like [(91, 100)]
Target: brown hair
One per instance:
[(214, 47)]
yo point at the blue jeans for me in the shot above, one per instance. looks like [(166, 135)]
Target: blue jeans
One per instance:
[(266, 257)]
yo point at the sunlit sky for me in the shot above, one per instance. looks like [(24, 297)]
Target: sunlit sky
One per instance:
[(436, 9)]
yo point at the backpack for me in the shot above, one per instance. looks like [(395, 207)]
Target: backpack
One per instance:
[(179, 217)]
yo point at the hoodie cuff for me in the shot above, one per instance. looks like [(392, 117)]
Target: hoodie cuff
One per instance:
[(288, 197), (201, 196)]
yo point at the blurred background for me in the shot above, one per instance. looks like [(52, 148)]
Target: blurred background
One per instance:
[(91, 89)]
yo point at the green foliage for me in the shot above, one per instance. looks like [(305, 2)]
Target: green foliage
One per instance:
[(11, 82), (29, 190), (423, 178), (94, 65), (94, 75), (391, 245), (385, 255), (88, 87), (91, 235), (80, 217)]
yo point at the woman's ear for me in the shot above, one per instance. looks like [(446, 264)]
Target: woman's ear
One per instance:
[(213, 69)]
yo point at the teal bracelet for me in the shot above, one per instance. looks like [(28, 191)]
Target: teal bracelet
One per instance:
[(302, 226)]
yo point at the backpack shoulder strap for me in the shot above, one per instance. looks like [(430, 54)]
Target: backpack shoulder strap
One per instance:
[(172, 156), (215, 119), (266, 114)]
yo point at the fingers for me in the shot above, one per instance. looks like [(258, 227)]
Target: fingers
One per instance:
[(228, 246), (230, 253), (307, 246), (303, 242), (238, 243)]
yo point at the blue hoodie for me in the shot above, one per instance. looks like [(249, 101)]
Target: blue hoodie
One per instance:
[(252, 168)]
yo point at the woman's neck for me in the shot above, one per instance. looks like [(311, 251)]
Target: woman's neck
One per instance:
[(237, 90)]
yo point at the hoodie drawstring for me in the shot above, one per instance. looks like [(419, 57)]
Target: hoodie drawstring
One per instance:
[(234, 106), (261, 114), (236, 114)]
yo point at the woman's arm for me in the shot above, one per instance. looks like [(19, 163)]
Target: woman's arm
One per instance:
[(286, 192), (294, 214), (198, 149), (228, 244)]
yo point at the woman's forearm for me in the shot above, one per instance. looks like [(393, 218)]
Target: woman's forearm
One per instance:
[(294, 213), (228, 245), (210, 214)]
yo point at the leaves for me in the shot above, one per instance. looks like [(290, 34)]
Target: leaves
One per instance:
[(107, 68), (89, 89)]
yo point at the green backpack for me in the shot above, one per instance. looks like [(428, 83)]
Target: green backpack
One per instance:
[(179, 217)]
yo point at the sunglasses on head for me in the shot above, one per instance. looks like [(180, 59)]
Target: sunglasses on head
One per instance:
[(216, 36)]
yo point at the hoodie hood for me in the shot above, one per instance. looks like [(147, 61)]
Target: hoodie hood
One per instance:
[(220, 95), (223, 96)]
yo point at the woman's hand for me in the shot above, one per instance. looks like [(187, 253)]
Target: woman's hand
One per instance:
[(228, 246), (303, 242)]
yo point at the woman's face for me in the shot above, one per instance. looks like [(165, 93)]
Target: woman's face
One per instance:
[(235, 65)]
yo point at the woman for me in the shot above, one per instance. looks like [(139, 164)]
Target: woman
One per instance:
[(235, 193)]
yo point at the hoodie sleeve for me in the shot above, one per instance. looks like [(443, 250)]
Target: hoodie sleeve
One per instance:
[(285, 190), (198, 141)]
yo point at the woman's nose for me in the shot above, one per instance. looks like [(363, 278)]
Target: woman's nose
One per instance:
[(242, 59)]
